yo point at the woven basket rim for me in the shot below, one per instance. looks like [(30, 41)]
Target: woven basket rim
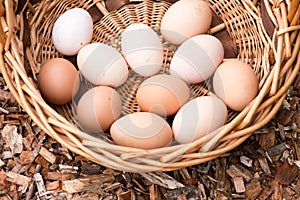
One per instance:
[(273, 89)]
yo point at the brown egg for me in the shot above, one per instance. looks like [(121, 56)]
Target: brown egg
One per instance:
[(58, 81), (98, 108), (162, 94), (142, 130), (236, 84)]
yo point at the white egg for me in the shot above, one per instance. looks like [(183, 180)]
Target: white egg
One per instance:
[(142, 49), (102, 65), (198, 117), (197, 58), (72, 30)]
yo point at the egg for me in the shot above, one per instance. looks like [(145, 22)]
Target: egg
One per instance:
[(162, 94), (101, 64), (185, 19), (72, 30), (236, 84), (142, 49), (58, 81), (98, 108), (198, 117), (141, 130), (197, 58)]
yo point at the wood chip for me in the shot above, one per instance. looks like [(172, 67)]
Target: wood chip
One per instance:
[(17, 169), (126, 195), (88, 183), (1, 163), (202, 191), (13, 193), (40, 185), (112, 187), (190, 181), (238, 170), (297, 187), (238, 183), (277, 150), (42, 161), (53, 185), (285, 116), (220, 174), (18, 178), (288, 193), (7, 155), (91, 169), (267, 139), (26, 157), (154, 193), (6, 96), (1, 121), (253, 189), (264, 165), (287, 173), (3, 181), (265, 194), (183, 193), (296, 122), (277, 190), (50, 157), (65, 169), (246, 161), (139, 184), (162, 179), (53, 176), (12, 138)]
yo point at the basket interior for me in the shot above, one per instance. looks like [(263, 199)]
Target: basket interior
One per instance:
[(239, 24)]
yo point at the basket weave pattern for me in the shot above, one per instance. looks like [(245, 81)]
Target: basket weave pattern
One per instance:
[(242, 21)]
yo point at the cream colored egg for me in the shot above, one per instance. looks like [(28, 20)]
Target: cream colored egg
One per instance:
[(236, 84), (185, 19), (197, 58), (98, 108), (198, 117), (162, 94), (142, 130), (72, 30), (102, 65), (142, 49)]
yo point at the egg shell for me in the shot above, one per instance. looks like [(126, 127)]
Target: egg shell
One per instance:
[(236, 84), (197, 58), (185, 19), (72, 30), (162, 94), (198, 117), (141, 130), (101, 64), (58, 81), (142, 49), (98, 108)]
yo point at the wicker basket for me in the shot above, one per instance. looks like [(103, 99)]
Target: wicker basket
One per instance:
[(242, 20)]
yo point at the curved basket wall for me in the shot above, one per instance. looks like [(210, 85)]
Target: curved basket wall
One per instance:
[(242, 21)]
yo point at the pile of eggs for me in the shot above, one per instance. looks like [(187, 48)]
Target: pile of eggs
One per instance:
[(198, 58)]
